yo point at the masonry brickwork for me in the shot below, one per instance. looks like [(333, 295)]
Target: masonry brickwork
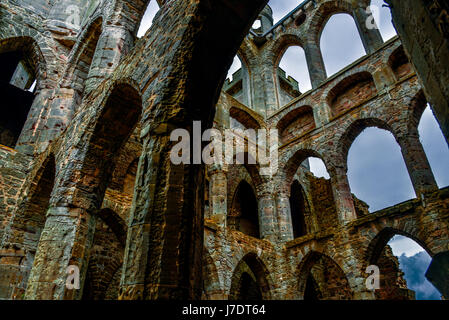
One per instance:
[(86, 177)]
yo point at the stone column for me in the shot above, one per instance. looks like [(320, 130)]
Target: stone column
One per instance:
[(315, 62), (113, 44), (267, 214), (371, 38), (284, 217), (417, 164), (163, 255), (344, 201), (263, 83), (65, 241), (218, 196)]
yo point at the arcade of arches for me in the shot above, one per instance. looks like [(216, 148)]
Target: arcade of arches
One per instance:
[(86, 178)]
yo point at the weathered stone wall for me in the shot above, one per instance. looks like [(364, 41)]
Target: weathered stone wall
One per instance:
[(91, 183)]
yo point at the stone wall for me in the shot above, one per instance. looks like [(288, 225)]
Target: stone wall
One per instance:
[(90, 182)]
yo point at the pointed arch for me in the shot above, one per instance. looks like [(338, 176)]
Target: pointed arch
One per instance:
[(112, 128), (296, 123), (326, 277), (24, 231), (339, 30), (300, 210), (106, 257), (244, 215), (351, 92), (24, 69), (82, 55), (250, 280)]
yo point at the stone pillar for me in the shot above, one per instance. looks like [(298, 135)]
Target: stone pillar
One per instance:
[(284, 217), (65, 241), (417, 164), (344, 201), (218, 196), (267, 214), (113, 44), (163, 255), (263, 84), (317, 69), (371, 38)]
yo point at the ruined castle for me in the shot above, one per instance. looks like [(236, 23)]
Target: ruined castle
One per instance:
[(86, 178)]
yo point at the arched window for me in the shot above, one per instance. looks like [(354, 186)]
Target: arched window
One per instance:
[(312, 197), (341, 44), (383, 19), (293, 75), (300, 208), (148, 17), (435, 146), (18, 81), (403, 264), (321, 278), (244, 215), (376, 170)]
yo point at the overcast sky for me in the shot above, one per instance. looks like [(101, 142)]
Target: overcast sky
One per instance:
[(377, 173)]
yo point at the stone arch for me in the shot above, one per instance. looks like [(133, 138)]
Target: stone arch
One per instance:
[(286, 89), (350, 92), (322, 15), (81, 58), (382, 238), (393, 285), (240, 86), (23, 233), (252, 270), (324, 276), (300, 210), (399, 63), (282, 44), (112, 128), (246, 117), (302, 118), (244, 215), (293, 163), (32, 54), (23, 66), (106, 256), (354, 129)]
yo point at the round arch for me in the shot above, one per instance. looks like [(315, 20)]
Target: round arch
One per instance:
[(378, 243)]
